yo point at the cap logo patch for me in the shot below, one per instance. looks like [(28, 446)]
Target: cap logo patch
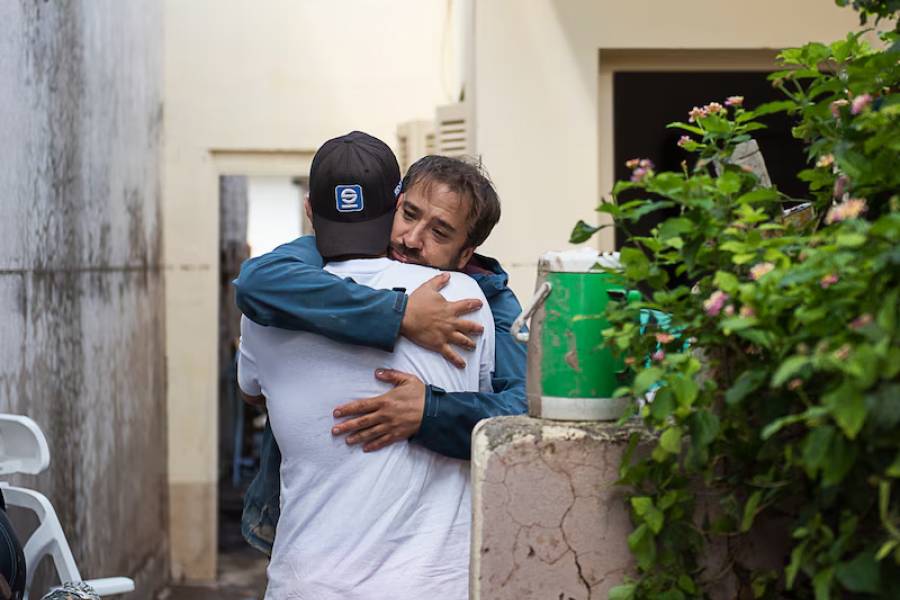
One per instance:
[(349, 198)]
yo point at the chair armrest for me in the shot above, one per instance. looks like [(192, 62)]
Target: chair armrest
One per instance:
[(110, 586)]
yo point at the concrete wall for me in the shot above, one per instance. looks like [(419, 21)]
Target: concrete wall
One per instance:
[(253, 88), (539, 121), (550, 521), (83, 330)]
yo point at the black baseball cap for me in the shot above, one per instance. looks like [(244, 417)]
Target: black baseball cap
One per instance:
[(354, 181)]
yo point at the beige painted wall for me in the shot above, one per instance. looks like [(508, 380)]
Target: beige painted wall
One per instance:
[(254, 87), (539, 123)]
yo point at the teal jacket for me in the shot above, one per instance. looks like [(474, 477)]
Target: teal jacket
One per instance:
[(287, 288)]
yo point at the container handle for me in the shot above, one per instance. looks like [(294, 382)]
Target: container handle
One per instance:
[(539, 296)]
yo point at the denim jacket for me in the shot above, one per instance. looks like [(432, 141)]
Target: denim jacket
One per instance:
[(287, 288)]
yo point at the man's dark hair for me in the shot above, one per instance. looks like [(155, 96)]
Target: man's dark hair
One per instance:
[(467, 179)]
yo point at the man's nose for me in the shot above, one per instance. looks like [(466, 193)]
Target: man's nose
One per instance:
[(413, 237)]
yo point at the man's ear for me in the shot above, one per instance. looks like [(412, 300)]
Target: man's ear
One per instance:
[(308, 209), (464, 257)]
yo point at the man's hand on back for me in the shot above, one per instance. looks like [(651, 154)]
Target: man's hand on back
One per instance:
[(433, 322), (391, 417)]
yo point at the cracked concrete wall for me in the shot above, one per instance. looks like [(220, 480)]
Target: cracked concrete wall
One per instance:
[(81, 289), (548, 520), (550, 523)]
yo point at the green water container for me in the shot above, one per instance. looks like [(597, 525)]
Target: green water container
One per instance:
[(572, 374)]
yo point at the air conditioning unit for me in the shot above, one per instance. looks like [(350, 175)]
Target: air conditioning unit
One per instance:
[(415, 139), (451, 126)]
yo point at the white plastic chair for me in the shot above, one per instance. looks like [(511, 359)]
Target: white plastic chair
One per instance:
[(23, 449)]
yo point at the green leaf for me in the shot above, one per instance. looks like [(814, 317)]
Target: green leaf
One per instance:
[(815, 448), (737, 324), (582, 232), (886, 549), (725, 281), (851, 240), (758, 196), (703, 427), (635, 263), (750, 509), (670, 440), (646, 379), (861, 575), (814, 412), (684, 388), (772, 107), (642, 546), (663, 404), (822, 584), (749, 381), (838, 462), (685, 127), (894, 469), (623, 592), (797, 555), (687, 584), (729, 183), (848, 407), (652, 516), (788, 369)]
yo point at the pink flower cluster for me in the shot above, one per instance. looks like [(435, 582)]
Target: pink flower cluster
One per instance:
[(664, 338), (640, 168), (842, 353), (684, 141), (857, 104), (850, 209), (861, 321), (828, 281), (700, 112), (714, 304), (825, 161), (760, 269), (860, 103), (836, 107)]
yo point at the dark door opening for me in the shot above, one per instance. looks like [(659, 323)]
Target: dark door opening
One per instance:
[(645, 102)]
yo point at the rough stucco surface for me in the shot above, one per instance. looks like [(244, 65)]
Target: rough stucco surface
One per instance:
[(81, 291), (549, 522)]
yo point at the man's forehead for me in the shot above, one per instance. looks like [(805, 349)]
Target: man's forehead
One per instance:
[(435, 194)]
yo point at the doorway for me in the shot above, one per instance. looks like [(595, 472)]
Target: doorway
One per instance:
[(256, 214), (645, 101)]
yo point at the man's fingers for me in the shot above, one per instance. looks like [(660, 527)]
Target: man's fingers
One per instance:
[(351, 425), (381, 442), (458, 339), (454, 358), (367, 434), (438, 282), (464, 307), (469, 327), (358, 407), (392, 376)]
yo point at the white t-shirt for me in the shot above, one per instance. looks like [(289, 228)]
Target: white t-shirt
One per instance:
[(392, 524)]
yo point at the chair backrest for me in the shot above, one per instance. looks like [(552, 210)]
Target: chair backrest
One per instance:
[(23, 447)]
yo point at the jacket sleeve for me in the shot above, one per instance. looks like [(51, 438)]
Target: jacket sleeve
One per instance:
[(287, 288), (450, 416)]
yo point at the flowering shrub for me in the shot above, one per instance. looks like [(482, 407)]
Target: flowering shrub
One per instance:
[(785, 403)]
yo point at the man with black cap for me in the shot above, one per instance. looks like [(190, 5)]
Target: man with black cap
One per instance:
[(391, 524)]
